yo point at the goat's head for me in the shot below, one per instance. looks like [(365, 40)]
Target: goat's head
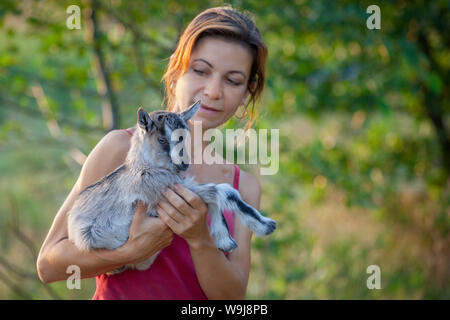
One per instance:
[(164, 136)]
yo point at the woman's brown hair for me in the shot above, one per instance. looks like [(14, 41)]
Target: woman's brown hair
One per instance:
[(228, 23)]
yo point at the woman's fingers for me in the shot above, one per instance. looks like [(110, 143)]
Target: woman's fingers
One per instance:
[(170, 210), (139, 214), (184, 212), (141, 207), (190, 197), (186, 201), (177, 201)]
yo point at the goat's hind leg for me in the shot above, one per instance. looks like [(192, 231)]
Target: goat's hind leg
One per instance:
[(218, 228), (231, 199)]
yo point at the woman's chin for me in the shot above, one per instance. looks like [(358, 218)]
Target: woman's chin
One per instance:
[(205, 122)]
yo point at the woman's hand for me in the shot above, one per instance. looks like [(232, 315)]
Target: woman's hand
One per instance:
[(184, 212), (147, 235)]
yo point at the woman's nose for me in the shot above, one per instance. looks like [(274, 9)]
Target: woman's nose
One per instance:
[(213, 88)]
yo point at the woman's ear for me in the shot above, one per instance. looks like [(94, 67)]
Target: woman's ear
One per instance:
[(247, 93)]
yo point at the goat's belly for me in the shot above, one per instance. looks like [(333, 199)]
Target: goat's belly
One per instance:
[(114, 233), (101, 232)]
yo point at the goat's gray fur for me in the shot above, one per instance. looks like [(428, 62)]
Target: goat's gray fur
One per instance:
[(102, 213)]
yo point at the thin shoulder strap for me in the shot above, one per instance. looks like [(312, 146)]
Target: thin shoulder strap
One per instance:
[(131, 133), (236, 176)]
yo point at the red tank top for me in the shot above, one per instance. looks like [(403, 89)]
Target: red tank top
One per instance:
[(170, 277)]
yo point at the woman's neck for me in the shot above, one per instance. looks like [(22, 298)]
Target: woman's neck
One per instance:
[(197, 144)]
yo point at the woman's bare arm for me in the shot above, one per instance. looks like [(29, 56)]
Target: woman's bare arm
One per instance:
[(219, 277), (57, 252)]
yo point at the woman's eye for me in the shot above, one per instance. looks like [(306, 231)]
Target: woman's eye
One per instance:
[(200, 72), (233, 82)]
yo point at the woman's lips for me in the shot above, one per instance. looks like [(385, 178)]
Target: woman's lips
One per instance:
[(208, 109)]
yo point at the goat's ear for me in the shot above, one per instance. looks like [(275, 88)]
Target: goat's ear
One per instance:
[(144, 120), (191, 111)]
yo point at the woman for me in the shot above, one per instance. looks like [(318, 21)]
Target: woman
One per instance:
[(220, 60)]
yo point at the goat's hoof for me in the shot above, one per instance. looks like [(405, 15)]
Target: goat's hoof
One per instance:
[(270, 227), (227, 245)]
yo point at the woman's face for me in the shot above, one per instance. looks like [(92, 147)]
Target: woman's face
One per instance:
[(217, 75)]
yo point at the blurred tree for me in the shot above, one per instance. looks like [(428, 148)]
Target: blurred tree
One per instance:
[(363, 117)]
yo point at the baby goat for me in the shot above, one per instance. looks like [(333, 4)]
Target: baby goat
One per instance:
[(102, 213)]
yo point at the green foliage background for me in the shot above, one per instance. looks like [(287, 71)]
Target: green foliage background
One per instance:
[(364, 141)]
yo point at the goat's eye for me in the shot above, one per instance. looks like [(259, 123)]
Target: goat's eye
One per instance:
[(163, 140)]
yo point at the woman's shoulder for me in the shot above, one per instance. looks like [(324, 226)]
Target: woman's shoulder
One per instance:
[(248, 180), (249, 186), (109, 153), (117, 142)]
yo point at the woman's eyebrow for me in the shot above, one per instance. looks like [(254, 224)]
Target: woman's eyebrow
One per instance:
[(200, 59), (211, 66)]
